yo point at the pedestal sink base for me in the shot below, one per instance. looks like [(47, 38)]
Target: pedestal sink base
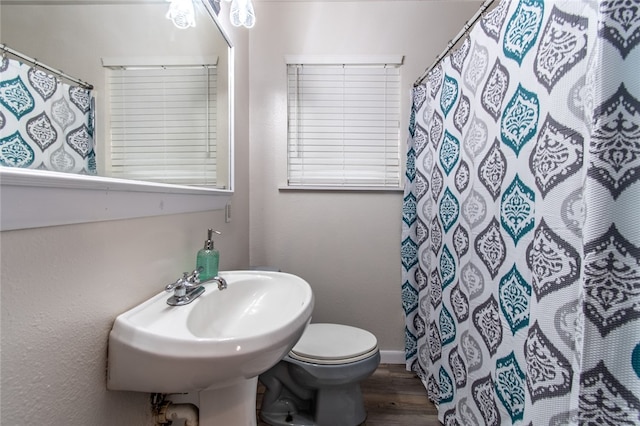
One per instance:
[(232, 405)]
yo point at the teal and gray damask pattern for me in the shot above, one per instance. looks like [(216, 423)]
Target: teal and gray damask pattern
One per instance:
[(44, 124), (520, 247)]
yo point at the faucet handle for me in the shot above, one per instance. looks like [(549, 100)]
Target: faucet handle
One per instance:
[(194, 277), (172, 286), (180, 282)]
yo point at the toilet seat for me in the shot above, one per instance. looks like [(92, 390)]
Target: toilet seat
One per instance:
[(328, 344)]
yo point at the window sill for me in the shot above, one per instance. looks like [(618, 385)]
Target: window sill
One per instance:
[(340, 188), (32, 199)]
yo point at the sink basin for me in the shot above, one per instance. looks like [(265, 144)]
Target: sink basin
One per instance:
[(222, 338)]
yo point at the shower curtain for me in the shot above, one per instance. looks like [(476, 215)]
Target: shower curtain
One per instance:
[(521, 219), (44, 123)]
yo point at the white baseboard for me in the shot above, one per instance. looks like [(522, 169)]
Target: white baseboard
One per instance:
[(392, 357)]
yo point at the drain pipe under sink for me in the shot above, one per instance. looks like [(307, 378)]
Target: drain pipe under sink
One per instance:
[(169, 412)]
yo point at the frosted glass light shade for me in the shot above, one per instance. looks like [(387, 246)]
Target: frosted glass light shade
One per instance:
[(242, 13), (182, 13)]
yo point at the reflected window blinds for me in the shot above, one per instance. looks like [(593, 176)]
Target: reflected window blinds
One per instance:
[(163, 124)]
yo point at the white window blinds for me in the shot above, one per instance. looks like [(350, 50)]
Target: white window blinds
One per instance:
[(163, 124), (344, 125)]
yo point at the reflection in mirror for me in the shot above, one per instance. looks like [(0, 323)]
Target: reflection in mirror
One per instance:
[(161, 93)]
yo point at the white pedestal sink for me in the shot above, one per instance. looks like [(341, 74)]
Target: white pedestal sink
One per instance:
[(217, 345)]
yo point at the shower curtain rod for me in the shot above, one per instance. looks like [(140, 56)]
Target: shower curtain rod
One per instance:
[(34, 62), (470, 23)]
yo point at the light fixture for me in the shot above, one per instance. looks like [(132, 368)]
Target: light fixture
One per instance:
[(182, 13), (242, 13)]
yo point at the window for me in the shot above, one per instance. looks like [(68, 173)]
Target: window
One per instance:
[(343, 125), (163, 124)]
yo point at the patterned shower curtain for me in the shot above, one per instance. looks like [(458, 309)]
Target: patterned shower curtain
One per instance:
[(44, 124), (521, 219)]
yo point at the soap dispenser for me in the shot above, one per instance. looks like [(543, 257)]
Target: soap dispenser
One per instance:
[(208, 258)]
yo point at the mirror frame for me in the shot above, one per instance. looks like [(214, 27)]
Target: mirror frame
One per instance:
[(37, 198)]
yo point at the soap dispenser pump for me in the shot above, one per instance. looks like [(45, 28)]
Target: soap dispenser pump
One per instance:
[(208, 258)]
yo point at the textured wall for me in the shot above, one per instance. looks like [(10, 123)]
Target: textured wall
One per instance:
[(62, 287), (347, 245)]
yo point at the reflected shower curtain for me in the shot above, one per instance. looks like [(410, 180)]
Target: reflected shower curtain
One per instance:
[(521, 219), (45, 124)]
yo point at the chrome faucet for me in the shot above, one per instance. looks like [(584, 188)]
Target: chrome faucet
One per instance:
[(222, 283), (189, 288), (185, 289)]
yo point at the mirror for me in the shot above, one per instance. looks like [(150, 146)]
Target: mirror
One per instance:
[(80, 37)]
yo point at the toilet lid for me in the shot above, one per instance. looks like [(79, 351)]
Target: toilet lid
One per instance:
[(334, 344)]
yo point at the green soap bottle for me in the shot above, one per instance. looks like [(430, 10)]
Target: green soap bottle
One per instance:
[(208, 258)]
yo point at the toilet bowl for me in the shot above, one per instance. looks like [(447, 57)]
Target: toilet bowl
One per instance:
[(318, 382)]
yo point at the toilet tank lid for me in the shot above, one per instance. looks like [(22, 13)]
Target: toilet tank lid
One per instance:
[(334, 342)]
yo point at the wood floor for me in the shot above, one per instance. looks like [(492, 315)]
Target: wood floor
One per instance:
[(392, 397)]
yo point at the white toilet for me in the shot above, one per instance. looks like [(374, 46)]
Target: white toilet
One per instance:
[(318, 382)]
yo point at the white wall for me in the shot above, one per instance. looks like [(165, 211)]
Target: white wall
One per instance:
[(345, 244), (62, 287)]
